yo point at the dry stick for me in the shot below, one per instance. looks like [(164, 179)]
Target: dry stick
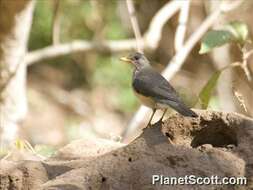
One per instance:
[(181, 27), (244, 64), (135, 25), (56, 23), (237, 94), (151, 39), (240, 99), (78, 46), (246, 70), (154, 33), (248, 54), (177, 61)]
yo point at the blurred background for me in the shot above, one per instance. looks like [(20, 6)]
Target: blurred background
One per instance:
[(88, 93)]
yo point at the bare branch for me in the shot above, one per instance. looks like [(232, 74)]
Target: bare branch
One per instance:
[(246, 70), (151, 39), (181, 27), (135, 25), (248, 54), (244, 65), (153, 35), (240, 99), (56, 23), (228, 5), (177, 61), (78, 46)]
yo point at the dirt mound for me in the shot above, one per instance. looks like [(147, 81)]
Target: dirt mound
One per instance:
[(214, 144)]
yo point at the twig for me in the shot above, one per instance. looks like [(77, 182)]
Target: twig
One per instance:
[(176, 63), (227, 6), (78, 46), (135, 25), (240, 99), (151, 39), (246, 70), (244, 65), (56, 23), (248, 54), (181, 27), (153, 36)]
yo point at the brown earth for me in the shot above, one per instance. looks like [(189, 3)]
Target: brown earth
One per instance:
[(214, 144)]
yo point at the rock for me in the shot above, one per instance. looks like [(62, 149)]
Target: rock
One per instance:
[(214, 144), (23, 175)]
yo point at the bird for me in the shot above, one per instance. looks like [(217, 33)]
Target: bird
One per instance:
[(152, 89)]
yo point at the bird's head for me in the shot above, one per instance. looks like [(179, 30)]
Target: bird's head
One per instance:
[(137, 59)]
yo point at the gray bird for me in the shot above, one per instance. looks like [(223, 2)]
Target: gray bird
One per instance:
[(152, 89)]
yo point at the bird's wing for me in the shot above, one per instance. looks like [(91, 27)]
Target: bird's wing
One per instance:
[(150, 83)]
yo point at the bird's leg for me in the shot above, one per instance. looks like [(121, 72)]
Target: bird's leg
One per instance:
[(149, 123), (160, 120)]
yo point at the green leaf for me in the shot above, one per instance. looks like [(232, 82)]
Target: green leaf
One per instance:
[(206, 92), (215, 38), (239, 30)]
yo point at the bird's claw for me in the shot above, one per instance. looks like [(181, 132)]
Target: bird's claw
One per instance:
[(160, 121)]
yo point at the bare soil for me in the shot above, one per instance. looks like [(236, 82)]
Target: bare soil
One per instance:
[(215, 143)]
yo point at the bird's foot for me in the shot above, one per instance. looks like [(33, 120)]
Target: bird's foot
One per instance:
[(149, 125), (160, 122)]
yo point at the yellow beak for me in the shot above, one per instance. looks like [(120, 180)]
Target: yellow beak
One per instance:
[(125, 59)]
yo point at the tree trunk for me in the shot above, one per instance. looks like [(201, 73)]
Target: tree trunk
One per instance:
[(15, 24)]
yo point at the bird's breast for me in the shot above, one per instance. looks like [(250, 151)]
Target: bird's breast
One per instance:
[(147, 101)]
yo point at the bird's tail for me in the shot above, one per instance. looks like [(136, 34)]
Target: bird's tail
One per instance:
[(185, 111), (181, 108)]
